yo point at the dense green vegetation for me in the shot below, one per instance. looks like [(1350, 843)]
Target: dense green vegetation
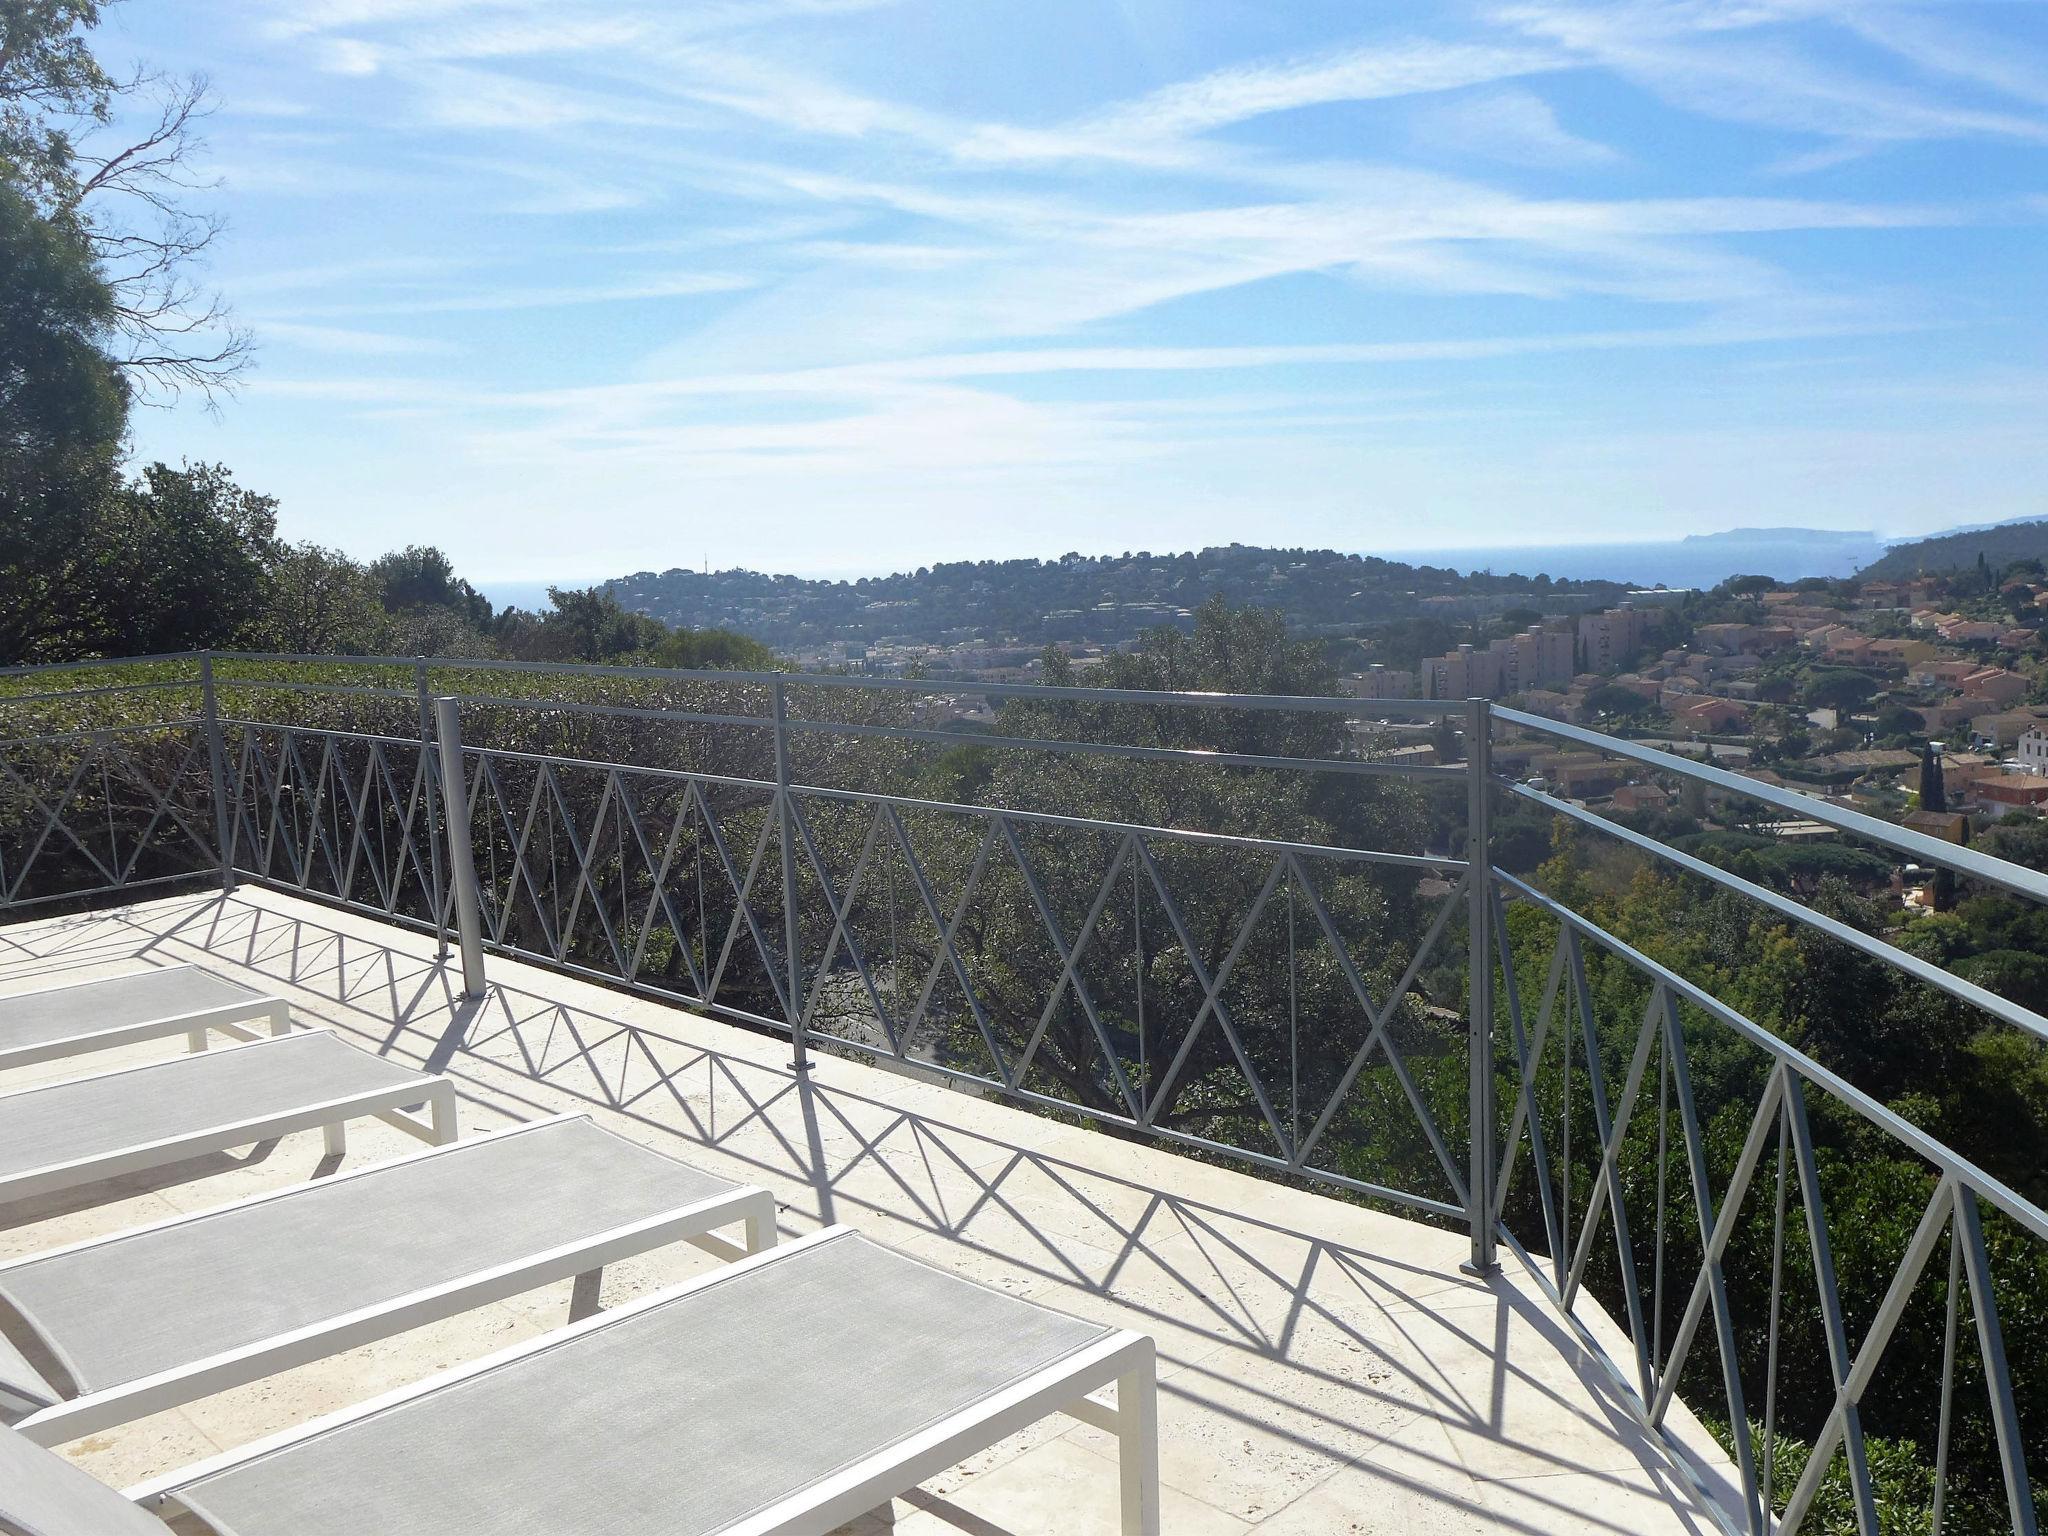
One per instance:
[(1096, 597), (99, 311), (1948, 552)]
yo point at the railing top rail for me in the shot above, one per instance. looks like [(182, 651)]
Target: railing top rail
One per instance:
[(175, 723), (1935, 1152), (1443, 864), (102, 663), (1797, 911), (1271, 703), (71, 695), (1931, 850)]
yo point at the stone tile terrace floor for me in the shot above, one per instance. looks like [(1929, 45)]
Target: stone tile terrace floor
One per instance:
[(1325, 1369)]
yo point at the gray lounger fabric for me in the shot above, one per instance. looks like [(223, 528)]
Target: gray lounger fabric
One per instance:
[(99, 1007), (674, 1421), (89, 1116), (42, 1494), (149, 1301)]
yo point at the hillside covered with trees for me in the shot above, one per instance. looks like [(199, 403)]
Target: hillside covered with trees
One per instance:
[(1101, 597), (1998, 546)]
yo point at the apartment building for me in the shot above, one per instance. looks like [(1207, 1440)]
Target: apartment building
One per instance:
[(1382, 682), (2032, 751), (1607, 639), (1533, 659)]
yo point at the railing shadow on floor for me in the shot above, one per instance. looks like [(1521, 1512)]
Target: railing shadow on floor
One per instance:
[(1224, 1289)]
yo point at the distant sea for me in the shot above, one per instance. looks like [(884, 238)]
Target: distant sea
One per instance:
[(530, 595), (1698, 561)]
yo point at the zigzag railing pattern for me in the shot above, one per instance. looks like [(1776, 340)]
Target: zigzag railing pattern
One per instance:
[(338, 815), (1653, 1154), (1670, 1266), (1050, 958), (87, 812)]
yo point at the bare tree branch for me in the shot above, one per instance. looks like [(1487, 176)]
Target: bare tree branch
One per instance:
[(131, 202)]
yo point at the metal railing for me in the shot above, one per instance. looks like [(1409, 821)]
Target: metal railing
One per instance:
[(767, 848)]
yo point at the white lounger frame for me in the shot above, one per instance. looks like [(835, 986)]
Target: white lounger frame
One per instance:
[(228, 1018), (1127, 1359), (696, 1223), (332, 1115)]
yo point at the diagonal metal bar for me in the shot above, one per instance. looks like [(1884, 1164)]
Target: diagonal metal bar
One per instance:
[(377, 779), (1529, 1062), (1377, 1036), (658, 894), (277, 778), (358, 840), (317, 839), (1070, 959), (840, 908), (1608, 1176), (1933, 1222), (949, 936), (409, 808), (1761, 1125), (1212, 996), (518, 836), (583, 852), (163, 803), (2005, 1416), (1861, 1486), (1381, 1023), (743, 908), (1710, 1264), (53, 820)]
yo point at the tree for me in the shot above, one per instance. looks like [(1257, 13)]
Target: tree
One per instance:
[(63, 404), (1613, 699), (175, 561), (320, 602), (1839, 688), (589, 625), (420, 576), (698, 648), (1143, 960), (129, 203)]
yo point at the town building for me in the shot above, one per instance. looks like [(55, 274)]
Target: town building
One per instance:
[(2001, 796), (1381, 682)]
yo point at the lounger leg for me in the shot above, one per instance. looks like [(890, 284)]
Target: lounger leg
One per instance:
[(336, 1132), (761, 1223), (584, 1294), (442, 1109), (281, 1020), (1137, 1456), (196, 1041)]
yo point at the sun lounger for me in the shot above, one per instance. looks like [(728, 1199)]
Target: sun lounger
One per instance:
[(787, 1393), (161, 1315), (83, 1016), (83, 1129)]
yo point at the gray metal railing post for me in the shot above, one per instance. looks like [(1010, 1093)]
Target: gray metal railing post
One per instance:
[(1479, 877), (791, 934), (430, 774), (217, 761), (461, 861)]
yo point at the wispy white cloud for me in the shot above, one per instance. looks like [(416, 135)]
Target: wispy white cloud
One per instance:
[(1155, 129), (674, 285), (860, 283), (1953, 48), (1510, 127), (344, 341), (1730, 62)]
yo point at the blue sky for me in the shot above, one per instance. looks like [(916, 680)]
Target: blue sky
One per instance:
[(580, 287)]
